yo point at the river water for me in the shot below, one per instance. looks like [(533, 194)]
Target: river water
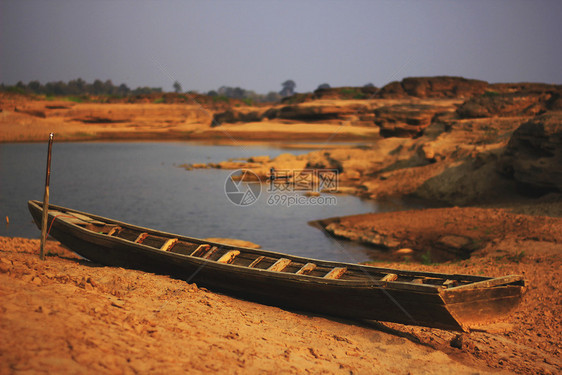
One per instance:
[(142, 183)]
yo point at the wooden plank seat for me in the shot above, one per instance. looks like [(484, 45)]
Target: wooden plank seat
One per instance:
[(390, 277), (85, 218), (210, 253), (306, 269), (256, 261), (201, 249), (170, 242), (141, 237), (336, 273), (114, 230), (75, 220), (280, 265), (228, 257), (450, 283)]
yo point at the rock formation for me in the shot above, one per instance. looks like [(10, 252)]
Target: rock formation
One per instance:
[(406, 120), (533, 156), (433, 87)]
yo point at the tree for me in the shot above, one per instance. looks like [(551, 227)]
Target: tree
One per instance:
[(77, 87), (56, 88), (288, 88), (323, 86), (123, 90), (108, 87), (35, 86), (177, 87), (97, 87)]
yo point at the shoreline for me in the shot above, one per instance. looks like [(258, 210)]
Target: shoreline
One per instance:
[(288, 138)]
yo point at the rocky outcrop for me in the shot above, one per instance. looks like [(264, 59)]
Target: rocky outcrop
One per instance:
[(493, 104), (513, 99), (313, 113), (365, 92), (527, 87), (298, 112), (405, 120), (433, 87), (366, 236), (533, 156), (233, 115)]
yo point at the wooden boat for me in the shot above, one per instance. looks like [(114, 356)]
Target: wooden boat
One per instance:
[(453, 302)]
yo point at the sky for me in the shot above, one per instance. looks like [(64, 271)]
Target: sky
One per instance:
[(259, 44)]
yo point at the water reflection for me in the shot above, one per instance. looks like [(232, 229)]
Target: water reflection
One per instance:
[(141, 183)]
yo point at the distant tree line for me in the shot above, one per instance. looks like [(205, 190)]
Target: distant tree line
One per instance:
[(77, 87), (245, 95)]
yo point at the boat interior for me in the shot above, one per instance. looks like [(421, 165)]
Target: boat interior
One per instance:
[(263, 260)]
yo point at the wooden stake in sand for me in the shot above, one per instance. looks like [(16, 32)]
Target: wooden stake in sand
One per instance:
[(46, 200)]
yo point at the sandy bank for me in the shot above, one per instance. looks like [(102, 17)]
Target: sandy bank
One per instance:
[(68, 315), (26, 120)]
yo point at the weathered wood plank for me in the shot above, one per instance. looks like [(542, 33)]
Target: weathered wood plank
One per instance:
[(306, 269), (113, 231), (169, 244), (228, 257), (86, 218), (450, 283), (81, 216), (491, 282), (390, 277), (200, 250), (256, 261), (210, 253), (336, 273), (141, 237), (280, 265)]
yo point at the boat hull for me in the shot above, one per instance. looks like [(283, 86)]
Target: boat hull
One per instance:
[(430, 307)]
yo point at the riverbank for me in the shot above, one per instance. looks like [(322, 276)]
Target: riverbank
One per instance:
[(24, 119), (446, 234), (66, 314)]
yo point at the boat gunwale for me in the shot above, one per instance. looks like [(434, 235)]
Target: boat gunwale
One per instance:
[(369, 282)]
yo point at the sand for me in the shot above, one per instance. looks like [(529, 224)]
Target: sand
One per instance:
[(66, 315)]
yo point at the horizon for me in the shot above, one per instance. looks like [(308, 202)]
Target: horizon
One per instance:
[(259, 45), (171, 91)]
